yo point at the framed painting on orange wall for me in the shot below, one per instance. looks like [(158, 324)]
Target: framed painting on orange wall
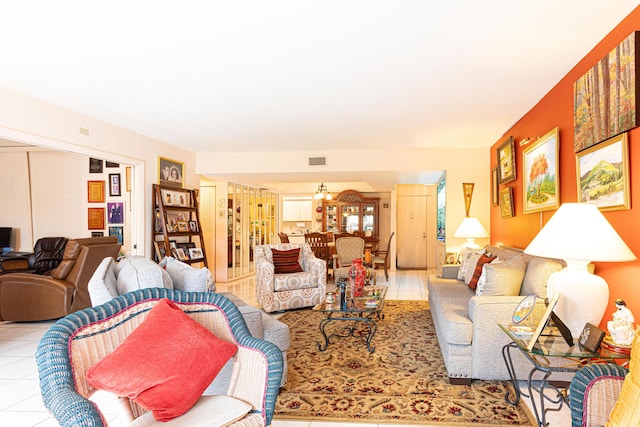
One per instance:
[(506, 202), (541, 186), (506, 161)]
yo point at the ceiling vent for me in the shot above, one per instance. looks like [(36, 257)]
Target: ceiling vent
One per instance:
[(317, 161)]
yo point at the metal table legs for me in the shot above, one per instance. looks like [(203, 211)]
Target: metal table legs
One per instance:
[(349, 331)]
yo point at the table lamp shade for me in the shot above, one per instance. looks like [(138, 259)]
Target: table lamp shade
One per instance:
[(578, 233), (470, 229)]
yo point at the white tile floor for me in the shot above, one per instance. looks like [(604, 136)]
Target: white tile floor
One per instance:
[(20, 402)]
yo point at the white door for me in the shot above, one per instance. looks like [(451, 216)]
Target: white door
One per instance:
[(417, 231)]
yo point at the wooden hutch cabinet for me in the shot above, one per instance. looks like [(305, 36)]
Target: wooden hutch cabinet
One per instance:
[(351, 211)]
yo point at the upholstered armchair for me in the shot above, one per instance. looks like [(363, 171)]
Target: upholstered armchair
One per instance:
[(347, 249), (75, 344), (28, 297), (277, 291)]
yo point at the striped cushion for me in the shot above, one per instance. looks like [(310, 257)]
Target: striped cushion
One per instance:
[(473, 283), (286, 261)]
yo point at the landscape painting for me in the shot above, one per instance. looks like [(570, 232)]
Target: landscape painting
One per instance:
[(603, 174), (605, 98), (541, 186)]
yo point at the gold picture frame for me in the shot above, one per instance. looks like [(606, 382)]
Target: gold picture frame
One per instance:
[(95, 191), (506, 161), (506, 202), (540, 177), (603, 174)]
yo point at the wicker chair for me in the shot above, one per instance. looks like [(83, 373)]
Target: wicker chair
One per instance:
[(65, 353), (593, 392)]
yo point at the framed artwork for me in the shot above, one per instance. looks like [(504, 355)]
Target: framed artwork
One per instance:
[(195, 253), (495, 201), (114, 184), (193, 226), (175, 217), (95, 165), (176, 198), (170, 172), (95, 191), (543, 321), (115, 212), (541, 180), (506, 161), (506, 202), (97, 234), (605, 98), (603, 174), (179, 254), (96, 218), (116, 232), (160, 250), (183, 226), (109, 164)]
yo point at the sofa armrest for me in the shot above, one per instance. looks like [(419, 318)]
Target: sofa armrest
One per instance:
[(265, 276)]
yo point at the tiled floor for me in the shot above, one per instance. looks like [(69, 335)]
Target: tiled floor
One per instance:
[(20, 403)]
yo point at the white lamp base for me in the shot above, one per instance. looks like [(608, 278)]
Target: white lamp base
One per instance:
[(583, 296)]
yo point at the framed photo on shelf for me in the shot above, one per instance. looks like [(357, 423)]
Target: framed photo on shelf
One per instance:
[(603, 174), (114, 184), (541, 181), (96, 218), (193, 226), (95, 191), (195, 253), (160, 251), (176, 198), (170, 172), (179, 254), (118, 233), (543, 321), (506, 161), (183, 226), (506, 202), (173, 217)]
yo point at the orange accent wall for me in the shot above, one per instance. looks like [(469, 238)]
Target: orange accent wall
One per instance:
[(556, 109)]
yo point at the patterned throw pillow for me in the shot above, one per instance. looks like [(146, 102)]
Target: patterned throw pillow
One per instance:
[(286, 262), (484, 259)]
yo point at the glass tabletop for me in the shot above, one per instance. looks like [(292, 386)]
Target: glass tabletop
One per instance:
[(367, 303), (552, 344)]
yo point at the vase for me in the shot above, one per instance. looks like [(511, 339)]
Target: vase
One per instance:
[(357, 277)]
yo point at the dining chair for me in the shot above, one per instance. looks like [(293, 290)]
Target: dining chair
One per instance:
[(382, 258), (284, 237), (347, 249), (319, 243)]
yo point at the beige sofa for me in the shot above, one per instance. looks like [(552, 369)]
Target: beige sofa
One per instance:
[(467, 324)]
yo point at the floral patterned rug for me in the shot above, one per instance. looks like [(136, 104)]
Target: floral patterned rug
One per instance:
[(403, 381)]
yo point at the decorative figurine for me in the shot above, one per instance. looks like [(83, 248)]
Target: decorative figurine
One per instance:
[(621, 327)]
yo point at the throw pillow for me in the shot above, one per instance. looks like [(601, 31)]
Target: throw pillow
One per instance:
[(286, 262), (484, 259), (138, 272), (165, 364), (186, 278), (626, 411), (469, 258), (537, 275), (502, 277)]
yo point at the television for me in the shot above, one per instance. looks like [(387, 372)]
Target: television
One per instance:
[(5, 238)]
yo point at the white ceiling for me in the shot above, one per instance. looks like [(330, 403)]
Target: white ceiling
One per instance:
[(244, 76)]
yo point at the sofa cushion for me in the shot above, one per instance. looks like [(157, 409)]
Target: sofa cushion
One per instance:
[(287, 261), (473, 283), (137, 272), (165, 364), (502, 277), (457, 327), (208, 411), (186, 278), (537, 275), (293, 281)]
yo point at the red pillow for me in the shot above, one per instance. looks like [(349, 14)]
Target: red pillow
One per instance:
[(165, 364), (286, 261), (478, 271)]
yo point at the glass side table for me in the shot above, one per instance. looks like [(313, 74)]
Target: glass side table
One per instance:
[(552, 345)]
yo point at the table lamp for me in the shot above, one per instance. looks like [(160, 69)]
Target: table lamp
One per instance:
[(471, 229), (578, 233)]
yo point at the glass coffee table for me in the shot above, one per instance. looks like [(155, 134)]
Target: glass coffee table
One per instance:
[(359, 310)]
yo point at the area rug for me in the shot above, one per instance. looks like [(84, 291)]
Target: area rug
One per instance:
[(403, 381)]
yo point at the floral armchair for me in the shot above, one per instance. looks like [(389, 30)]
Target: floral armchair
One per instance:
[(283, 291)]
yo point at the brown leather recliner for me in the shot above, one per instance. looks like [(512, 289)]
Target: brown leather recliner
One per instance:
[(47, 254), (32, 297)]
